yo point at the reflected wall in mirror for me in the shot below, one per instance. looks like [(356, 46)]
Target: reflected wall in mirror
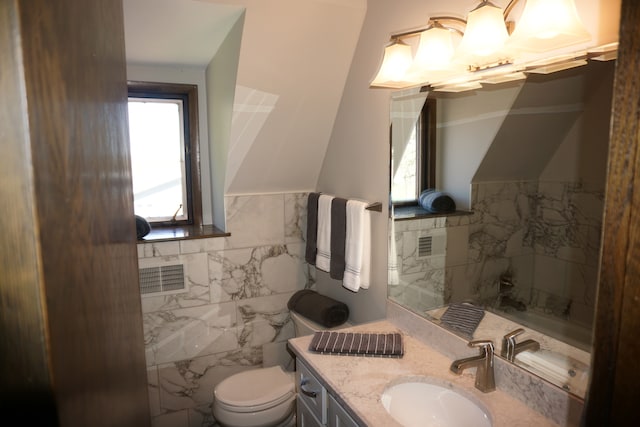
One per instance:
[(528, 160)]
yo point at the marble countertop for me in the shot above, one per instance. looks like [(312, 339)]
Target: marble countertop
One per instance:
[(358, 382)]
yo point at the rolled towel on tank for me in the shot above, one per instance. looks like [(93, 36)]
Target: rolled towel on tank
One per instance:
[(435, 201), (319, 308)]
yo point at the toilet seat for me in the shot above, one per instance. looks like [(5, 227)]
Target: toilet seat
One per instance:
[(255, 390)]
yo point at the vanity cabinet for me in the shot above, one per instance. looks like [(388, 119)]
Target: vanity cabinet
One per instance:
[(315, 406), (337, 416)]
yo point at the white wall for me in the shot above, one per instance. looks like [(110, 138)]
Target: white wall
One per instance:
[(221, 82), (585, 139), (356, 164), (467, 125), (298, 53)]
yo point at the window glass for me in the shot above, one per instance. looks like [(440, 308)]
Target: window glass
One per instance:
[(405, 179), (416, 167), (156, 135)]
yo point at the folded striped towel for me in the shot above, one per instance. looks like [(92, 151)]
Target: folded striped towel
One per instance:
[(358, 344), (463, 318)]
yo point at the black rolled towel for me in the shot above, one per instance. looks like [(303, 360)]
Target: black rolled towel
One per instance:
[(434, 201), (319, 308), (142, 227)]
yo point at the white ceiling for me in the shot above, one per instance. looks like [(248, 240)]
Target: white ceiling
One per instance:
[(175, 32)]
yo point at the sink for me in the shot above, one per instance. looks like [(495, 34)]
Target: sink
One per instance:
[(424, 404)]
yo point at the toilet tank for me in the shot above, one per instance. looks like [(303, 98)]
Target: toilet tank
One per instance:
[(305, 326)]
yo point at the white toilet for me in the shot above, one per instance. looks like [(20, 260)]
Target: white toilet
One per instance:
[(263, 397)]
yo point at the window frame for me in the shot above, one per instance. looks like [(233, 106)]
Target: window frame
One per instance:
[(426, 134), (188, 93)]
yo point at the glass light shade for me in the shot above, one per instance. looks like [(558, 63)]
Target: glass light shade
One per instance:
[(485, 35), (396, 61), (547, 25), (435, 50)]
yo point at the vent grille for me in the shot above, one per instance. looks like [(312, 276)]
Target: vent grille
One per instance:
[(425, 246), (166, 278)]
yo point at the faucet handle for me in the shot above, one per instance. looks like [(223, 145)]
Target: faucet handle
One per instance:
[(509, 344), (513, 334), (486, 346)]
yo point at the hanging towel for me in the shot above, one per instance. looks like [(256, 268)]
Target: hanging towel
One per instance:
[(338, 237), (393, 278), (312, 228), (358, 246), (323, 257)]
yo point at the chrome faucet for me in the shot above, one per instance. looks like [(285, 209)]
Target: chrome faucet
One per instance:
[(510, 348), (485, 381)]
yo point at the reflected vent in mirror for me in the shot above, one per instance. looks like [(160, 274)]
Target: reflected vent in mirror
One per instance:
[(431, 244), (165, 278), (425, 246)]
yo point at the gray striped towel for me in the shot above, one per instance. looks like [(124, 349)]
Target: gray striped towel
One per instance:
[(463, 318), (357, 344)]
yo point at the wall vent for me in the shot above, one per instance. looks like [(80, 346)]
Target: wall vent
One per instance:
[(425, 246), (164, 278)]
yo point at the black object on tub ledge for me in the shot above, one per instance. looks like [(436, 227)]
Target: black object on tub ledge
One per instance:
[(435, 201), (319, 308), (142, 227)]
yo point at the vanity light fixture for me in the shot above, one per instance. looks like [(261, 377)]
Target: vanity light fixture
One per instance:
[(484, 38), (396, 61), (435, 49), (548, 25), (433, 59), (544, 26)]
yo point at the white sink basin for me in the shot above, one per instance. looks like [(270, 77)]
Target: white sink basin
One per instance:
[(423, 404)]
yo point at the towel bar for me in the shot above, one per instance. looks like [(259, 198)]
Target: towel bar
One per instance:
[(377, 207)]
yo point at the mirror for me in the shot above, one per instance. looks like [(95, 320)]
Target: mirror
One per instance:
[(526, 164)]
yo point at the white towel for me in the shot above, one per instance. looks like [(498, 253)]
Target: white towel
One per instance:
[(393, 274), (357, 247), (323, 257)]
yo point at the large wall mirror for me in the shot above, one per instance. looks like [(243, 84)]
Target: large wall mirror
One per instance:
[(525, 163)]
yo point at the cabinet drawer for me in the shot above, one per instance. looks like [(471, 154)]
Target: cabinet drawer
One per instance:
[(311, 392), (337, 416), (304, 416)]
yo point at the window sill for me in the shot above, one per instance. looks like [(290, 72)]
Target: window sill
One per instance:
[(405, 213), (183, 232)]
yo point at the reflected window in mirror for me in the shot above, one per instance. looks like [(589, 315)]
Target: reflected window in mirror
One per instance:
[(163, 123), (416, 170)]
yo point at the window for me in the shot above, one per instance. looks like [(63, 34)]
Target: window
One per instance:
[(417, 168), (163, 135)]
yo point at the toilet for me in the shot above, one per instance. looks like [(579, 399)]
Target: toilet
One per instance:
[(263, 397)]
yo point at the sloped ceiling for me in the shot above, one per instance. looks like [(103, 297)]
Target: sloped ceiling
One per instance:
[(294, 59), (296, 55), (547, 113), (175, 32)]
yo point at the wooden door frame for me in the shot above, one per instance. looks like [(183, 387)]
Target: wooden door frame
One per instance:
[(614, 391)]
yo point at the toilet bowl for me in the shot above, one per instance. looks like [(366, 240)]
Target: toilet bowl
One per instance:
[(255, 398), (262, 397)]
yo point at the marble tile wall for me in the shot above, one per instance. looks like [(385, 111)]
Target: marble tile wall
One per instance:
[(423, 281), (567, 245), (545, 234), (234, 315)]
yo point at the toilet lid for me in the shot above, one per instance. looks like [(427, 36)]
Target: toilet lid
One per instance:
[(255, 388)]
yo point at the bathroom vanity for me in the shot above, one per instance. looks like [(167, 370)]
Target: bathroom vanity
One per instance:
[(354, 385), (316, 406)]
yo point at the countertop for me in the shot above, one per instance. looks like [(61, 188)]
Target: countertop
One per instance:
[(357, 382)]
